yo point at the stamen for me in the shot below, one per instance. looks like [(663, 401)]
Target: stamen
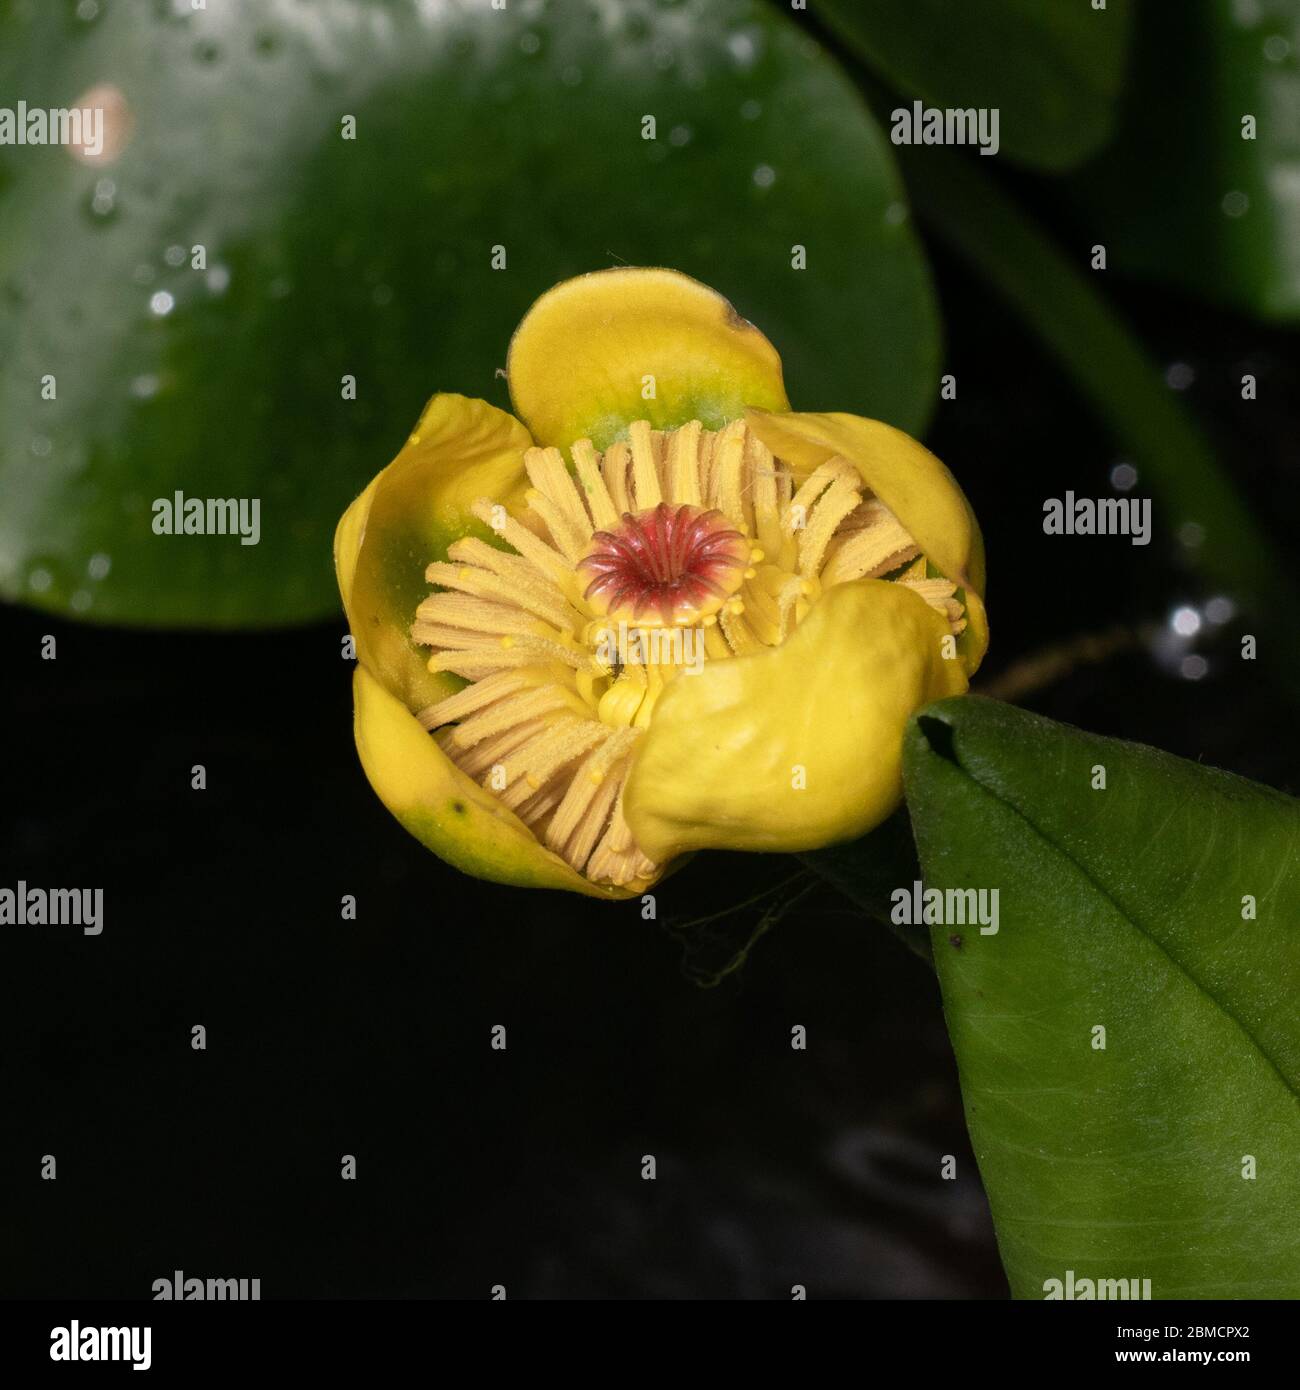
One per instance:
[(538, 554), (530, 592), (684, 465), (473, 697), (475, 614), (729, 460), (614, 466), (568, 537), (548, 474), (767, 516), (528, 651), (578, 847), (541, 757), (483, 757), (514, 709), (872, 542), (601, 505), (938, 593), (830, 509), (592, 783), (645, 476)]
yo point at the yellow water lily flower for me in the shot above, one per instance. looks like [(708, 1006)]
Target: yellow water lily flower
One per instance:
[(664, 613)]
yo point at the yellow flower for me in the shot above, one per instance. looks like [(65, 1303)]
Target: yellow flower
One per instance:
[(670, 614)]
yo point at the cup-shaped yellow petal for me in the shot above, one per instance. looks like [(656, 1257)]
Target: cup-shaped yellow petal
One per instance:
[(796, 746), (911, 482), (602, 350), (461, 450), (444, 809)]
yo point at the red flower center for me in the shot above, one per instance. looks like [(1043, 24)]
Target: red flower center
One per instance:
[(668, 565)]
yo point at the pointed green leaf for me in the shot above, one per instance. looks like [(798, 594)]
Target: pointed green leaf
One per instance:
[(1170, 1152)]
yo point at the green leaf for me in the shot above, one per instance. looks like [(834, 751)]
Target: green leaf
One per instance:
[(1183, 197), (1119, 909), (1051, 68), (476, 128)]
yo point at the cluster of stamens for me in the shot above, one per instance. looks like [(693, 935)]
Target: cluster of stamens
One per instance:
[(688, 529)]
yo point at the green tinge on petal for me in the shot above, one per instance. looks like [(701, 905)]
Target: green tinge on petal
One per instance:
[(599, 351), (797, 746), (444, 809), (911, 482), (462, 449)]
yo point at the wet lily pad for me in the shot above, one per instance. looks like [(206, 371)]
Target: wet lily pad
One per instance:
[(496, 151)]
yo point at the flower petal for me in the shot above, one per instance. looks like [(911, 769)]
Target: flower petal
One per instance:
[(444, 809), (462, 449), (580, 361), (911, 482), (718, 767)]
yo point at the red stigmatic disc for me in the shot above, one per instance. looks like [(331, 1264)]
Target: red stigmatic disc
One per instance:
[(669, 565)]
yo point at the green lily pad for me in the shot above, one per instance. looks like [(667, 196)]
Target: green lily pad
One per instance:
[(1169, 1153), (480, 133), (1051, 68), (1187, 198)]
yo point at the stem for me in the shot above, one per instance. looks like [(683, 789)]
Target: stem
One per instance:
[(1050, 664)]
